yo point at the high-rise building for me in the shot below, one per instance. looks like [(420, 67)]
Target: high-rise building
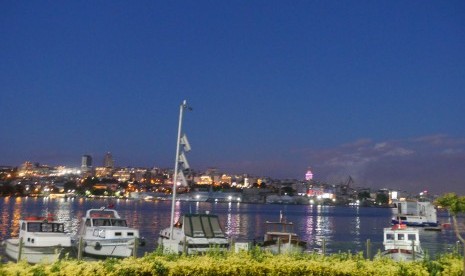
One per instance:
[(108, 161), (86, 161), (86, 165)]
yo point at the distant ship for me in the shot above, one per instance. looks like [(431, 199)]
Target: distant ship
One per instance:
[(415, 213)]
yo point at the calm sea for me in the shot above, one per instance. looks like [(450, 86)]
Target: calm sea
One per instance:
[(341, 229)]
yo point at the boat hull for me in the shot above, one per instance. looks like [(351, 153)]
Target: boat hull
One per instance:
[(402, 255), (415, 222), (120, 248), (193, 246), (33, 254), (283, 248)]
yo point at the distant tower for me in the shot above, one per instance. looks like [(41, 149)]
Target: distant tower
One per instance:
[(309, 175), (86, 165), (108, 161), (86, 161)]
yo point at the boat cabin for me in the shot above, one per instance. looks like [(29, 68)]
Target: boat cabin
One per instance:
[(43, 231), (282, 231), (104, 217), (401, 237), (42, 226), (201, 226)]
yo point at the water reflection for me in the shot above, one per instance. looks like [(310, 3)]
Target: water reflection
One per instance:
[(5, 218), (234, 223), (341, 228), (17, 210)]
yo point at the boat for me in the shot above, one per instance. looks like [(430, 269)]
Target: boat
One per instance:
[(402, 243), (280, 237), (193, 234), (41, 239), (103, 233), (415, 213)]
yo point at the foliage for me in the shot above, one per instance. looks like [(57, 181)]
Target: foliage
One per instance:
[(242, 263), (382, 198), (455, 205), (452, 202)]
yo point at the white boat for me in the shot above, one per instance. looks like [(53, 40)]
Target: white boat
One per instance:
[(402, 243), (103, 233), (415, 213), (194, 233), (280, 237), (41, 239)]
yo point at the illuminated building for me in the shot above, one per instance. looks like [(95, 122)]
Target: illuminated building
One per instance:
[(108, 161), (103, 172), (309, 175), (86, 165), (86, 161)]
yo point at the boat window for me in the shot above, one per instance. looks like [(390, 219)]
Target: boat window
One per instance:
[(400, 237), (197, 227), (101, 222), (118, 222), (217, 231), (411, 237), (87, 222), (58, 227), (207, 227), (102, 214), (390, 237), (187, 226), (23, 226), (33, 227), (46, 227)]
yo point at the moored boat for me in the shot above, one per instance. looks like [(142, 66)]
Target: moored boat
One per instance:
[(415, 213), (194, 233), (402, 243), (41, 239), (280, 237), (103, 233)]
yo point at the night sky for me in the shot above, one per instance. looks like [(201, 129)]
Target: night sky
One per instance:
[(370, 89)]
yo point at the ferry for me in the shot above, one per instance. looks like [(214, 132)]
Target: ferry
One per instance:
[(415, 213), (41, 239)]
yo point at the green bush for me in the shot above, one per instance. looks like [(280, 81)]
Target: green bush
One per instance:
[(253, 262)]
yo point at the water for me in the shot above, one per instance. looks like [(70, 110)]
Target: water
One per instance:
[(341, 229)]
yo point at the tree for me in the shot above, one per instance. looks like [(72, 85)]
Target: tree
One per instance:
[(382, 198), (363, 195), (70, 185), (455, 205)]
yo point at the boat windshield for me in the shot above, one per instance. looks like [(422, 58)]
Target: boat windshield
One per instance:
[(109, 222), (200, 226), (45, 227)]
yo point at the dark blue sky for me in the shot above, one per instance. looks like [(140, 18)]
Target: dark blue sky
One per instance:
[(371, 89)]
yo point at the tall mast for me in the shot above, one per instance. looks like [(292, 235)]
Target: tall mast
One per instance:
[(176, 166)]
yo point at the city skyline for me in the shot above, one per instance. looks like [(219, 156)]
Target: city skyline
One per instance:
[(371, 90)]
